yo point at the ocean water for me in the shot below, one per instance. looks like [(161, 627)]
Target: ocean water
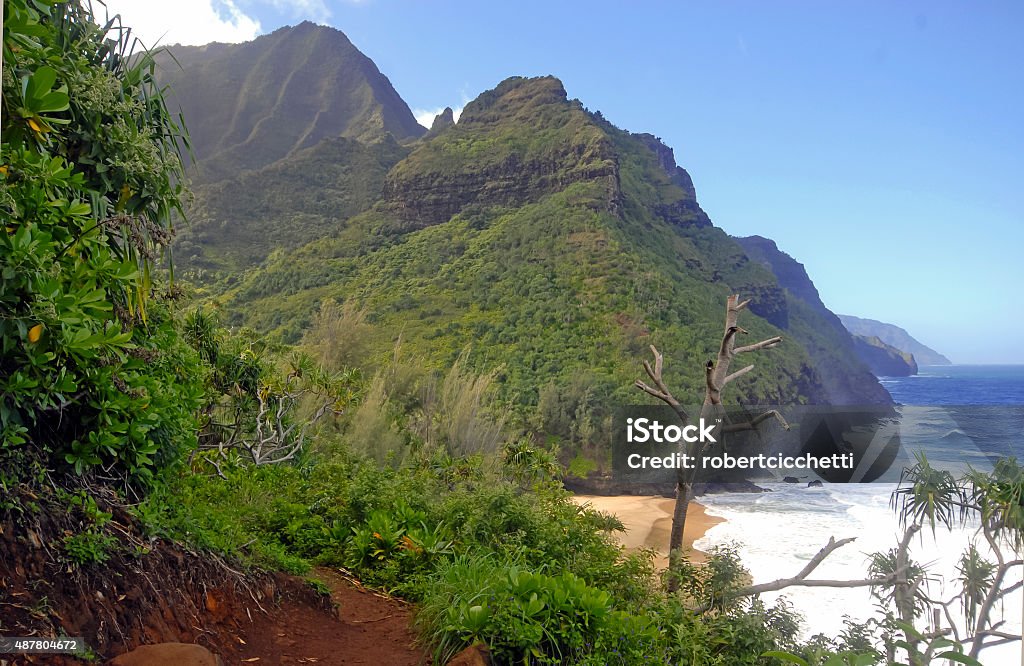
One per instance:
[(961, 415), (960, 385)]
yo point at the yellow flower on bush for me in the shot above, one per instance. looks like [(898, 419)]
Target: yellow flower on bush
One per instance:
[(34, 333)]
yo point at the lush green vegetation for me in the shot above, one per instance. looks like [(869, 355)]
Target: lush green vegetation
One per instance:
[(551, 248), (92, 371), (410, 479), (400, 462), (488, 558)]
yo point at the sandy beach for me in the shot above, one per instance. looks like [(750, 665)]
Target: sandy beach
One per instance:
[(648, 522)]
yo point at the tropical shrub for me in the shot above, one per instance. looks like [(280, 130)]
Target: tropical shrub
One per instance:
[(92, 372)]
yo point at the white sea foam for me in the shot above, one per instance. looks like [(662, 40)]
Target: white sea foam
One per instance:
[(778, 532)]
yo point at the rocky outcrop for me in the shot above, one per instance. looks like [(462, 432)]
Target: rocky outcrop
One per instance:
[(433, 198), (884, 360), (442, 120), (489, 159)]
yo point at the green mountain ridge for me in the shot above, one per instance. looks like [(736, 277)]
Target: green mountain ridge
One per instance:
[(235, 223), (555, 246)]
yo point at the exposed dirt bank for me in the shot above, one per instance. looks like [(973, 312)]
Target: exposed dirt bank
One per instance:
[(156, 591)]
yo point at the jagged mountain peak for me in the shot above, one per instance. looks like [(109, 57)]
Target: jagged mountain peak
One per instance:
[(443, 120), (515, 96), (247, 105)]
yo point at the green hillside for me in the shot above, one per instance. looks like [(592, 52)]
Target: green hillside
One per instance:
[(554, 246), (235, 223)]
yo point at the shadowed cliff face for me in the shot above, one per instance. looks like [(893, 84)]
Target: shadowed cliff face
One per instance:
[(845, 373), (236, 222), (684, 211), (553, 245), (248, 105)]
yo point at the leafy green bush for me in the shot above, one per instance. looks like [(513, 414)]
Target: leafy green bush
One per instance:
[(91, 369), (89, 547), (523, 616)]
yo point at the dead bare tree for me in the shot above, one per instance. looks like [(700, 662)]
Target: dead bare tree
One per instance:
[(717, 377), (276, 433)]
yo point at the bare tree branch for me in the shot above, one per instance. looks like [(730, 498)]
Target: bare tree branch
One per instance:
[(661, 393), (737, 374), (764, 344), (799, 579), (729, 339)]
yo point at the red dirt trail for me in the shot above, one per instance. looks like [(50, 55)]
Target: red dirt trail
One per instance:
[(370, 629)]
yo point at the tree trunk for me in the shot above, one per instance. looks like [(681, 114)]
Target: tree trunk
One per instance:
[(684, 492)]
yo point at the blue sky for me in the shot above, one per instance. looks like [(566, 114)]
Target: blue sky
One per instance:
[(880, 144)]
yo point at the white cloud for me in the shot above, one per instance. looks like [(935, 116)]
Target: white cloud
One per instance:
[(159, 22), (426, 117), (314, 10)]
